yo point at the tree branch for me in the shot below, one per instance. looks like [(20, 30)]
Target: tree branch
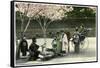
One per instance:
[(27, 24), (48, 24), (29, 21)]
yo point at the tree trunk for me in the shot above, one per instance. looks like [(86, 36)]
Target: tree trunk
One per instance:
[(17, 50), (44, 35)]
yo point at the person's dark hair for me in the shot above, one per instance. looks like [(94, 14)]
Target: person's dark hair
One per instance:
[(57, 32), (76, 29), (61, 31), (82, 25), (34, 39)]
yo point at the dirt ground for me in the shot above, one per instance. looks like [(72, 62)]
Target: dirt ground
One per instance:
[(86, 55)]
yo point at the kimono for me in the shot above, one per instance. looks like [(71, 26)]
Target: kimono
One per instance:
[(33, 50), (59, 44), (64, 43), (54, 45), (23, 47), (76, 40)]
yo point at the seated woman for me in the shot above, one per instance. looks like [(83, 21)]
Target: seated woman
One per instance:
[(23, 46), (33, 50)]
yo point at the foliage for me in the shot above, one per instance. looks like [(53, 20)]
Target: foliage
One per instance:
[(81, 13)]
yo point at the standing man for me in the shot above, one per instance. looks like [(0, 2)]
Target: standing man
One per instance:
[(76, 40), (81, 31)]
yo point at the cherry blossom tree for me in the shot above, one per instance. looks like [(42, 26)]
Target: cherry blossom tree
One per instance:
[(44, 14)]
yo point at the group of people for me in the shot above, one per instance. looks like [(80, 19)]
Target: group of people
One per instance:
[(61, 40), (60, 44), (33, 48)]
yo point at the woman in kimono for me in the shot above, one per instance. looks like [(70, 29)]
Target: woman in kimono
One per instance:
[(64, 43), (54, 45), (23, 46), (33, 50), (59, 44)]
